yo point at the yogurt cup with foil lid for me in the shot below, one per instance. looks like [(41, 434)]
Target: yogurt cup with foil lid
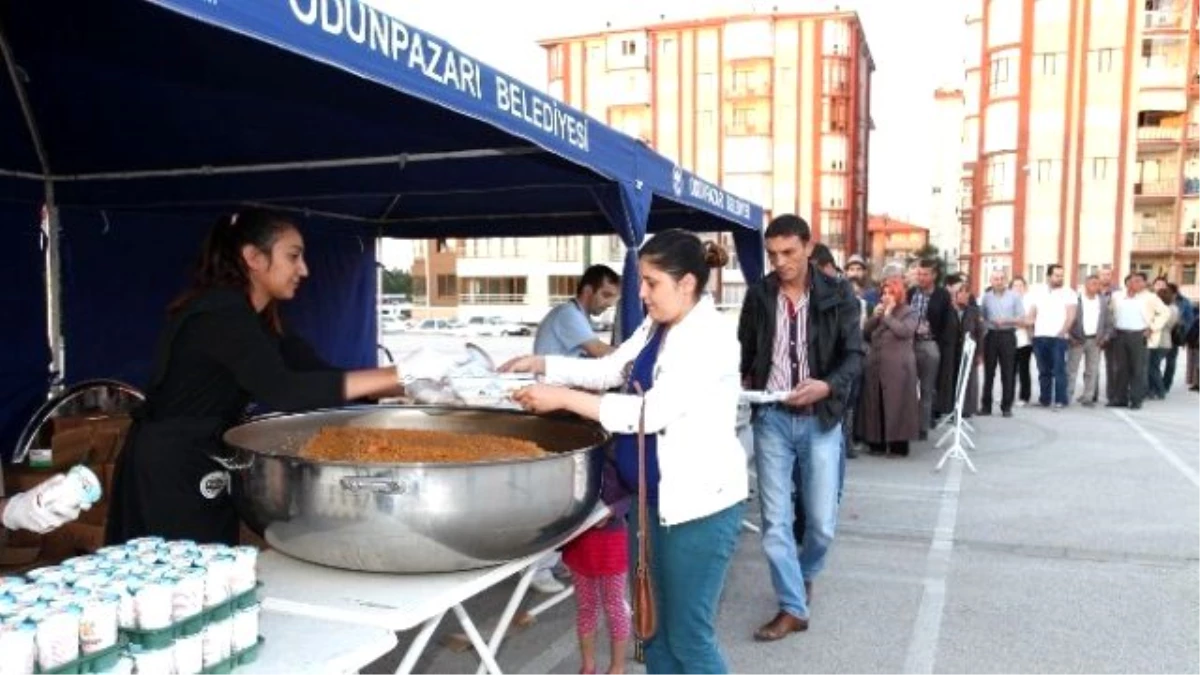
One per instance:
[(7, 583), (82, 564), (57, 637), (148, 556), (209, 551), (187, 597), (98, 626), (26, 595), (152, 602), (117, 552), (152, 660), (144, 541), (53, 573), (245, 569), (18, 644), (189, 654), (218, 580), (48, 590)]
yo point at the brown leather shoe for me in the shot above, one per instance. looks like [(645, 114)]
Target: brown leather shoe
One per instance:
[(781, 626)]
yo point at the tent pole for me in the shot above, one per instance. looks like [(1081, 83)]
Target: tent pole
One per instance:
[(54, 333), (49, 225)]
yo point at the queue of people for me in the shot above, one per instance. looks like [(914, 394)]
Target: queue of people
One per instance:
[(849, 360)]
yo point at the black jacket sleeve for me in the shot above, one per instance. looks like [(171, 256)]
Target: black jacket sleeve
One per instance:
[(236, 340), (748, 333), (299, 355), (841, 378)]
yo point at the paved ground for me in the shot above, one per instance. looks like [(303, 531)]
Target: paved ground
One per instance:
[(1074, 549)]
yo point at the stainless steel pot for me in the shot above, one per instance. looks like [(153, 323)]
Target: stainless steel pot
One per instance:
[(415, 517)]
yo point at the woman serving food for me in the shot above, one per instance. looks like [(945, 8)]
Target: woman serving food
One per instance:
[(224, 347), (685, 357)]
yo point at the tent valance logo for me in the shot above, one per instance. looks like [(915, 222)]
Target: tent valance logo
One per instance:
[(677, 181)]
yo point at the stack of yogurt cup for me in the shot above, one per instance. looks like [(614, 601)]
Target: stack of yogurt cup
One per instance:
[(56, 615)]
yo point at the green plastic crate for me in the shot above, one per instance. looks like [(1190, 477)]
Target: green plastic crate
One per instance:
[(164, 637), (242, 658), (92, 663)]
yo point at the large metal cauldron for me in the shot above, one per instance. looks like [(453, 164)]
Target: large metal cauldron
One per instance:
[(416, 517)]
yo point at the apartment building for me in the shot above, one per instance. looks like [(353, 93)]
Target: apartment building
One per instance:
[(774, 106), (518, 279), (947, 172), (894, 241), (1080, 138)]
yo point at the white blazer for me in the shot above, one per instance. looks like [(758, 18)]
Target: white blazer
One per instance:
[(692, 406)]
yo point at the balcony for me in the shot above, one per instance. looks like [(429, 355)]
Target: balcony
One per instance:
[(748, 129), (742, 89), (1163, 19), (1155, 242), (1159, 135), (1147, 191), (491, 299), (1156, 75)]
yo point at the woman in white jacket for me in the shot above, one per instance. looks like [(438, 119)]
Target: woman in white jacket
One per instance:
[(685, 358)]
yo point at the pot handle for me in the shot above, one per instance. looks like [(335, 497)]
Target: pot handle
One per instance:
[(236, 460), (385, 486)]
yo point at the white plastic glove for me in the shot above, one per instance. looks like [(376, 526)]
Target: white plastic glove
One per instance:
[(430, 364), (36, 511)]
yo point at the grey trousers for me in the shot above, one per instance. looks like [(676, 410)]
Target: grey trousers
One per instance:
[(1088, 352), (929, 358)]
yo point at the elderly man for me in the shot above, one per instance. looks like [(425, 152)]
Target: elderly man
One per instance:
[(1003, 312), (1090, 332), (1138, 316)]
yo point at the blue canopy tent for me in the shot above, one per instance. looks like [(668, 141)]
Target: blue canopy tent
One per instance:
[(136, 121)]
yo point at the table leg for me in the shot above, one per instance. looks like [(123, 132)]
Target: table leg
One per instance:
[(418, 646), (485, 653), (510, 611)]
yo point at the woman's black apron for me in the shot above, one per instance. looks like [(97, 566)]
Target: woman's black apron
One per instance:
[(165, 482)]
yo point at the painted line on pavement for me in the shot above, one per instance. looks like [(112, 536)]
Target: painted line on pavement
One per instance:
[(922, 649), (1161, 449)]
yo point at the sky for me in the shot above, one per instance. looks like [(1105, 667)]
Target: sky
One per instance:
[(916, 45)]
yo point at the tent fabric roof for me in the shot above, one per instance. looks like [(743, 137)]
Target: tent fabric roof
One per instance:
[(166, 105)]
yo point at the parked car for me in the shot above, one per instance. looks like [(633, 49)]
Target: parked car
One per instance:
[(489, 326), (436, 326)]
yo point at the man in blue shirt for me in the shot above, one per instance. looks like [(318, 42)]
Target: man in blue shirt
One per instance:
[(567, 329), (1003, 312)]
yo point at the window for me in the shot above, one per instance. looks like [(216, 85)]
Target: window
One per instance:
[(1101, 166), (836, 76), (492, 290), (1187, 276), (595, 57), (1102, 59), (1037, 274), (628, 48), (1047, 170), (999, 72), (839, 115), (937, 190), (705, 119), (447, 285), (556, 62), (1050, 63), (561, 287), (744, 119), (667, 46), (565, 249)]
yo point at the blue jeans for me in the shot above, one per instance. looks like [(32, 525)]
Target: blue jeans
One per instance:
[(783, 441), (1051, 355), (1157, 387), (1169, 370), (688, 563)]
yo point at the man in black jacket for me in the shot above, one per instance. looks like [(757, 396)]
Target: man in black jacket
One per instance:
[(935, 336), (799, 331)]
